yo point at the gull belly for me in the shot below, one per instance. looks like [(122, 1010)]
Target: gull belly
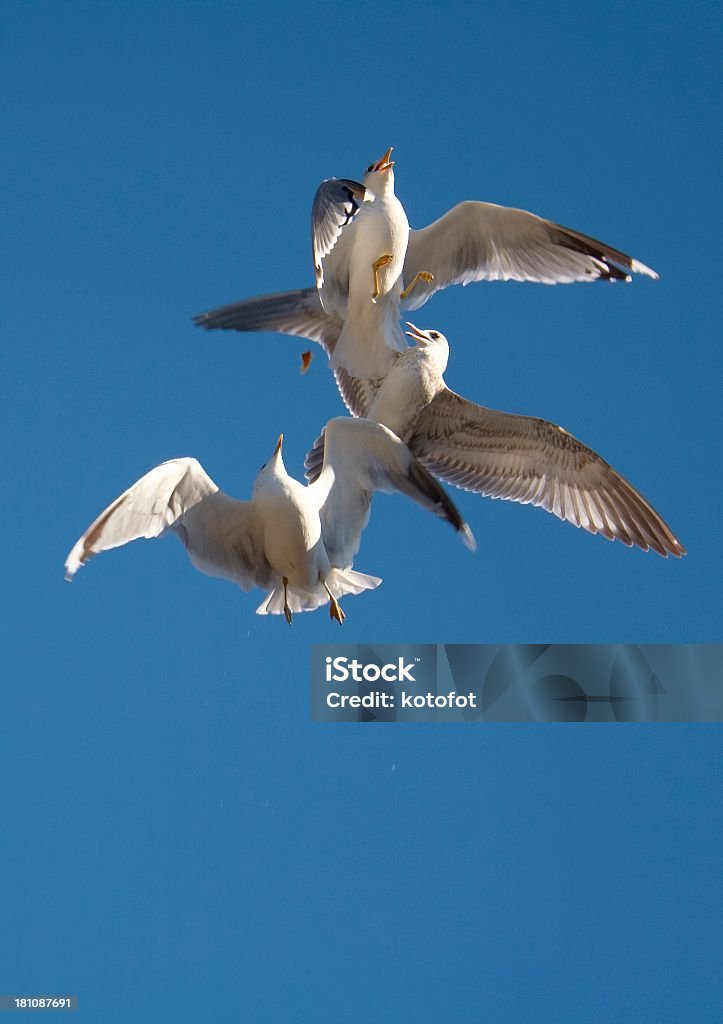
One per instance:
[(292, 539), (371, 336)]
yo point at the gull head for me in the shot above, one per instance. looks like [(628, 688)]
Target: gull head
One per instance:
[(380, 174), (426, 338), (271, 470), (432, 346)]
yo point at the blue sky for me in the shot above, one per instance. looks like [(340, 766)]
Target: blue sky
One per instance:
[(176, 833)]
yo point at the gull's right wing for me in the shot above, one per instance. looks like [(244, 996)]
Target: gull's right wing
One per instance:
[(223, 536), (298, 313)]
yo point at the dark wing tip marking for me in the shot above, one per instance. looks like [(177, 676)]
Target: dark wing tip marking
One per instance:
[(442, 504), (608, 506), (610, 263), (336, 204)]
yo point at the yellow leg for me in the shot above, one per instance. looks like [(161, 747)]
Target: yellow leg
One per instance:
[(422, 275), (377, 265), (287, 611), (335, 611)]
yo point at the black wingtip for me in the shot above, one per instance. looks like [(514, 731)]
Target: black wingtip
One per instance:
[(442, 504), (612, 265)]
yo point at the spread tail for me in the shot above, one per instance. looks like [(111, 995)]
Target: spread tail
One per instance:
[(339, 582), (347, 581)]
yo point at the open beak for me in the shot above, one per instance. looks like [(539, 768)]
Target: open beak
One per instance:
[(277, 449), (385, 163), (416, 335)]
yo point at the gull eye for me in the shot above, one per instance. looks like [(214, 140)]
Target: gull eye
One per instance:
[(434, 334), (369, 169), (263, 467)]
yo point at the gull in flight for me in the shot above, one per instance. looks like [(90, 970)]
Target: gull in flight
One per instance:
[(370, 265), (359, 236), (518, 458), (297, 542)]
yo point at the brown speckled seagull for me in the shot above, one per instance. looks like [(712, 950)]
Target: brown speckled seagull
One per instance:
[(501, 455)]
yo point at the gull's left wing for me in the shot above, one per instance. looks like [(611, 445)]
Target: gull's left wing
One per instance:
[(484, 242), (521, 458), (152, 505), (361, 457), (223, 536)]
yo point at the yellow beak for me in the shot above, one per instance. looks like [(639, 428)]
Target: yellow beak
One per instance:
[(416, 335), (385, 163)]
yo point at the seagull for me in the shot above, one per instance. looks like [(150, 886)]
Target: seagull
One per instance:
[(298, 542), (517, 458), (355, 307), (360, 234)]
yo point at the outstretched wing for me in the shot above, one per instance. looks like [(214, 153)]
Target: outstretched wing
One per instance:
[(336, 204), (223, 536), (361, 457), (484, 242), (299, 313), (520, 458)]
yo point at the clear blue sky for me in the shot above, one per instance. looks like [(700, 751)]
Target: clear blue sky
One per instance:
[(178, 841)]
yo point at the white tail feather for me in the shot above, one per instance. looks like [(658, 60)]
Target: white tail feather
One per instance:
[(347, 581), (339, 582)]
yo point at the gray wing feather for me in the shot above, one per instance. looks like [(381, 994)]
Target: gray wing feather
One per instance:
[(299, 313), (336, 204), (485, 242), (532, 461), (357, 393), (314, 461)]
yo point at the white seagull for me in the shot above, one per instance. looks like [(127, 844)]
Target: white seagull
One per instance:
[(519, 458), (299, 542), (369, 265), (359, 235)]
